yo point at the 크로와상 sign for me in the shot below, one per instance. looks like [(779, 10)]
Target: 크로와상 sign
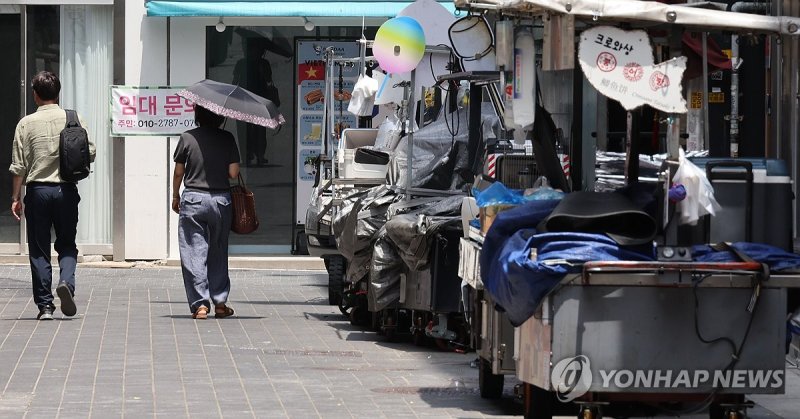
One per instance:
[(619, 64), (149, 111)]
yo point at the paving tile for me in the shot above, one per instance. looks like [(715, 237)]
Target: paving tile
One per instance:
[(134, 351)]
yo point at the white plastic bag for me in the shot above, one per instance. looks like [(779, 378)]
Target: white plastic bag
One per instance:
[(699, 192), (363, 97), (388, 133)]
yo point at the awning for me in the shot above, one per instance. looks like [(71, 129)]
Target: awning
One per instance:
[(263, 8), (644, 11)]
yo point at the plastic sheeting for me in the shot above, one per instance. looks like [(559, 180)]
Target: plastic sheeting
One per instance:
[(385, 275), (356, 227), (404, 243), (777, 259), (440, 156), (518, 282), (413, 235)]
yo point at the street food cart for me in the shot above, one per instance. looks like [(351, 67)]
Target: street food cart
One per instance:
[(361, 215), (675, 330)]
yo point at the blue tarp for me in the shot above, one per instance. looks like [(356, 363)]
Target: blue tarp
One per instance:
[(517, 283), (777, 259)]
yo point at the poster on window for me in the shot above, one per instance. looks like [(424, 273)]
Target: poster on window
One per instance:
[(311, 102), (156, 110)]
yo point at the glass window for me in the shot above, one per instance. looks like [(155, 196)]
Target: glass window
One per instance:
[(10, 103), (262, 59), (43, 46)]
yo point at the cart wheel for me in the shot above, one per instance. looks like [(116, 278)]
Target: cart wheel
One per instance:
[(390, 329), (375, 322), (336, 266), (490, 384), (419, 338), (538, 402), (360, 316), (590, 412), (718, 412), (347, 301)]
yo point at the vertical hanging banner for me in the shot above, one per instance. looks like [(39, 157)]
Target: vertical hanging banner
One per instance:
[(310, 96)]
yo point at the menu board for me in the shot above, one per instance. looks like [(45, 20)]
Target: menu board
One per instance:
[(311, 102)]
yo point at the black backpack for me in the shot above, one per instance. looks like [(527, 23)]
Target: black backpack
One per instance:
[(73, 150)]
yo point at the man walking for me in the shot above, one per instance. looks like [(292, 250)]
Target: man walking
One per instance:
[(50, 202)]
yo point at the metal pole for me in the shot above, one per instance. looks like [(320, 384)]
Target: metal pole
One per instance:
[(632, 158), (23, 102), (706, 140), (734, 128), (411, 108), (474, 118)]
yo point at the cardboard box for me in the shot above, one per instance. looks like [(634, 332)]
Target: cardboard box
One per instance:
[(487, 215)]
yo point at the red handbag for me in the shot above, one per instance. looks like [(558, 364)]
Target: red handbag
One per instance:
[(245, 218)]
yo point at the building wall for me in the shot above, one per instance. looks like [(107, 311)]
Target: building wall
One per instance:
[(146, 158), (187, 66), (150, 225)]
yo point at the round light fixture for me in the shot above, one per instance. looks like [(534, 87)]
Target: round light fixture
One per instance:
[(308, 25), (220, 26)]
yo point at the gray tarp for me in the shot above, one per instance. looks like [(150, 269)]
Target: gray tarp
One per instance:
[(384, 277), (440, 153), (645, 11), (356, 226), (413, 233), (404, 243)]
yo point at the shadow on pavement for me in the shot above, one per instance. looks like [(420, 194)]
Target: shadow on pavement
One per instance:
[(211, 317), (314, 302)]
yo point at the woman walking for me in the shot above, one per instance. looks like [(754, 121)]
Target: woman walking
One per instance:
[(205, 158)]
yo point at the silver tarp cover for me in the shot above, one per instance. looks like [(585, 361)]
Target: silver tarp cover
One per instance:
[(404, 243), (645, 11), (356, 226), (439, 151), (413, 233)]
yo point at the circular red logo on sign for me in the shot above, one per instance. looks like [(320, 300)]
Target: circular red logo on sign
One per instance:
[(659, 80), (606, 61), (633, 72)]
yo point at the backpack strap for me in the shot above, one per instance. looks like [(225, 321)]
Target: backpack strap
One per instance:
[(72, 119)]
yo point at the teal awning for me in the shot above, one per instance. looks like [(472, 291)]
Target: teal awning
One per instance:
[(307, 8)]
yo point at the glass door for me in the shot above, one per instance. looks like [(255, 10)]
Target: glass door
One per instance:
[(11, 99), (74, 42)]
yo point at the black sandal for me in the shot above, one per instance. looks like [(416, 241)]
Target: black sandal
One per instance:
[(221, 311)]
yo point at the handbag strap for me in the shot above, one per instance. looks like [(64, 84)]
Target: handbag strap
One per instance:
[(241, 180)]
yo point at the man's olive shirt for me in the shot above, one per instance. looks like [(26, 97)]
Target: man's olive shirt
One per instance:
[(34, 153)]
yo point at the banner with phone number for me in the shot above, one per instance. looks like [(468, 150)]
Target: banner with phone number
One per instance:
[(157, 110)]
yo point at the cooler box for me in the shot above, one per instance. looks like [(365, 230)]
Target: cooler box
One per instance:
[(349, 165), (770, 200)]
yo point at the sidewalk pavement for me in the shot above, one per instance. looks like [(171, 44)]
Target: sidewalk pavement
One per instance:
[(134, 351)]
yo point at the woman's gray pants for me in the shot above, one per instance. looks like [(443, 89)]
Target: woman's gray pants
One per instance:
[(203, 228)]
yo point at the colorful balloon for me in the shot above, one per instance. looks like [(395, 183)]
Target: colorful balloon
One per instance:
[(399, 45)]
